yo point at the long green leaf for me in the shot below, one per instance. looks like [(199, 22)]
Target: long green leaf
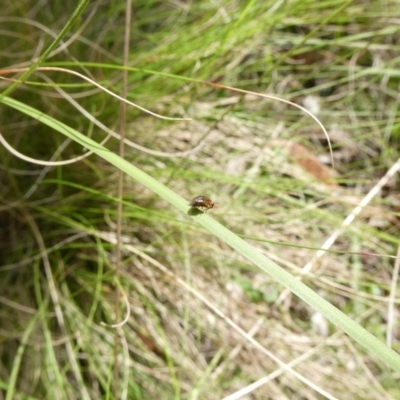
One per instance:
[(361, 335)]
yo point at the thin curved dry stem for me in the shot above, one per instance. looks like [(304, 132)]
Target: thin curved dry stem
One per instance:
[(15, 70), (128, 311), (156, 153), (111, 132), (46, 163), (127, 141), (272, 97)]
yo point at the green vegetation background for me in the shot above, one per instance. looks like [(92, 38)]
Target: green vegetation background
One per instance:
[(58, 225)]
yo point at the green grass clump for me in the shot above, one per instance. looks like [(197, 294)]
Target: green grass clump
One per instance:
[(203, 321)]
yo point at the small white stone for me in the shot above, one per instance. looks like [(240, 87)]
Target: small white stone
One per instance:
[(320, 324)]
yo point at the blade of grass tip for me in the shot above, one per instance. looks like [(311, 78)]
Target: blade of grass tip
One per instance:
[(341, 320)]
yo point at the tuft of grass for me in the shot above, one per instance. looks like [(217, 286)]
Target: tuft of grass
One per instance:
[(184, 286)]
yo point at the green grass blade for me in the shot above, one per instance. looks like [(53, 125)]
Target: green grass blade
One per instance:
[(361, 335)]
